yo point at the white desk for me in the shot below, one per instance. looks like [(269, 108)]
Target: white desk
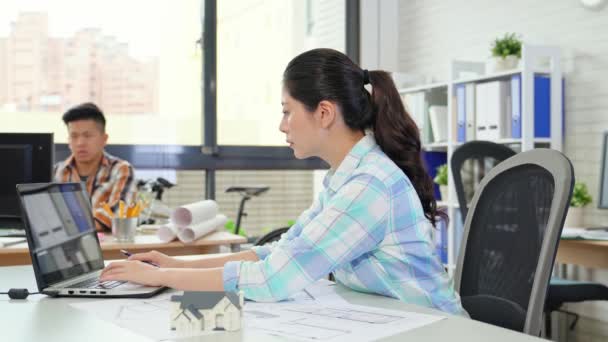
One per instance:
[(52, 319)]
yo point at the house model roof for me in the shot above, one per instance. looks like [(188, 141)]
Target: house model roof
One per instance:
[(194, 300)]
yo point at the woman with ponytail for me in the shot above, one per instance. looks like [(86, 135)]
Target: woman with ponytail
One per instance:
[(371, 225)]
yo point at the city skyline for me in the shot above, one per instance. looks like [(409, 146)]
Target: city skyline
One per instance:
[(39, 72)]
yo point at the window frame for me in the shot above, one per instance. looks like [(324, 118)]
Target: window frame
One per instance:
[(210, 156)]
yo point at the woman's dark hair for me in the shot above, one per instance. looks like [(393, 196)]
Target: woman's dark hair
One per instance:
[(326, 74)]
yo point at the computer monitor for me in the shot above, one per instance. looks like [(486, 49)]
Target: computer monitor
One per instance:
[(24, 158)]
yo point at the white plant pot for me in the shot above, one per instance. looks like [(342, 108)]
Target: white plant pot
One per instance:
[(443, 192), (574, 219), (497, 64)]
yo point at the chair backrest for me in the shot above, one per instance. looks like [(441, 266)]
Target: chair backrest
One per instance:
[(470, 163), (510, 239), (272, 236)]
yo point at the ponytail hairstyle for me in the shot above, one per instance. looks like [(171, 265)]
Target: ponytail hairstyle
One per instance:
[(326, 74)]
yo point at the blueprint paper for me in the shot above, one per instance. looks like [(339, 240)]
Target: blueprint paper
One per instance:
[(339, 323), (147, 317), (318, 313)]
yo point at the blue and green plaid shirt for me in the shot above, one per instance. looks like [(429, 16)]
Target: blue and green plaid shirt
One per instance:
[(368, 227)]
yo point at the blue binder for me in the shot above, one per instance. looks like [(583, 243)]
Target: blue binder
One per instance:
[(441, 241), (461, 120), (542, 106)]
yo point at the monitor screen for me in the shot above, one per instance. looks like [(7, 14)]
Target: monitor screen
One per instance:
[(61, 231), (26, 158)]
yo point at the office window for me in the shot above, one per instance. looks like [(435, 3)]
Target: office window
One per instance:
[(136, 59), (255, 41)]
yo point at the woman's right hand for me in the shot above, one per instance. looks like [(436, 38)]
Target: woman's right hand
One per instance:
[(158, 258)]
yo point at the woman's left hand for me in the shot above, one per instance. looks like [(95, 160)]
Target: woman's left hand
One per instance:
[(133, 271)]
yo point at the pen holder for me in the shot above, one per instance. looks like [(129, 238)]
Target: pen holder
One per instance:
[(123, 229)]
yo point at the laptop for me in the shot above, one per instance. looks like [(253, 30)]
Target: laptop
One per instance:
[(63, 244)]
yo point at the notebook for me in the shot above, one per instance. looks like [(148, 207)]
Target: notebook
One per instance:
[(63, 244)]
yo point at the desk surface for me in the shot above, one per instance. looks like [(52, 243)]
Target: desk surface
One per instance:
[(588, 253), (19, 254), (52, 319)]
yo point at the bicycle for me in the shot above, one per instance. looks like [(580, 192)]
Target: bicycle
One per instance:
[(247, 193), (151, 193)]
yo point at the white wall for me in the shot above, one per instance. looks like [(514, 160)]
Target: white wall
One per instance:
[(432, 32)]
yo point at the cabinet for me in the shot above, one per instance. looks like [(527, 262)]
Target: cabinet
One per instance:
[(533, 88)]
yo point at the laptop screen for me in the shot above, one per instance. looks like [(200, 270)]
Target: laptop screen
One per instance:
[(62, 234)]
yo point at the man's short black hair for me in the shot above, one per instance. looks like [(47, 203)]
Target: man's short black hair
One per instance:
[(85, 111)]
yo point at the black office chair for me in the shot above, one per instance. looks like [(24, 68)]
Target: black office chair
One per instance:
[(562, 291), (471, 162), (510, 239), (272, 236)]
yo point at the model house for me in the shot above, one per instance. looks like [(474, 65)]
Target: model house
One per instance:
[(193, 312)]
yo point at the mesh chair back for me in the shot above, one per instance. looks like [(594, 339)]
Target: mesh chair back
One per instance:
[(510, 239), (272, 236), (470, 163)]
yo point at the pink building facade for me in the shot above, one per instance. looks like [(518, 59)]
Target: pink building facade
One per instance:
[(42, 73)]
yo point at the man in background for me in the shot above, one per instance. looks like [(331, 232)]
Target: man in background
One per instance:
[(107, 179)]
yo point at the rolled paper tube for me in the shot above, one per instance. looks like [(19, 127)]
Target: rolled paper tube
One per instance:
[(194, 213), (195, 232), (167, 233)]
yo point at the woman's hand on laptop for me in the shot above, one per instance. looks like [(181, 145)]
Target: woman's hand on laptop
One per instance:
[(133, 271), (158, 258)]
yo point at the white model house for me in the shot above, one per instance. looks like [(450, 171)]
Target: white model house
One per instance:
[(194, 312)]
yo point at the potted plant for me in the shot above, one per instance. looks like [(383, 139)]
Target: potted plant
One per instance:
[(580, 198), (506, 52), (441, 178)]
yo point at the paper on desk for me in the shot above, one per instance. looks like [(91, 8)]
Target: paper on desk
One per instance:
[(194, 213), (582, 233), (194, 232), (323, 291), (11, 241), (322, 322), (150, 317), (572, 232), (147, 317), (320, 314)]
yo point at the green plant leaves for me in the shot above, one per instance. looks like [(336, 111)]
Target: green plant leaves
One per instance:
[(580, 195), (442, 175), (508, 45)]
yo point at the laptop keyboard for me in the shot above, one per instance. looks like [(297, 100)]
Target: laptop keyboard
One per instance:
[(94, 283)]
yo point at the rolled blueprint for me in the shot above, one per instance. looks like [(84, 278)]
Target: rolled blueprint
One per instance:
[(194, 213), (167, 233), (194, 232)]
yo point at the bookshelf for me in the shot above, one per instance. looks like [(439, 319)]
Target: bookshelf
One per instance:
[(536, 60)]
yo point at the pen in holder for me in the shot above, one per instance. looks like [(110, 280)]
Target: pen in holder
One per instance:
[(123, 229)]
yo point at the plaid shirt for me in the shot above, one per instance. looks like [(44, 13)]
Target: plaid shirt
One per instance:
[(368, 227), (112, 182)]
